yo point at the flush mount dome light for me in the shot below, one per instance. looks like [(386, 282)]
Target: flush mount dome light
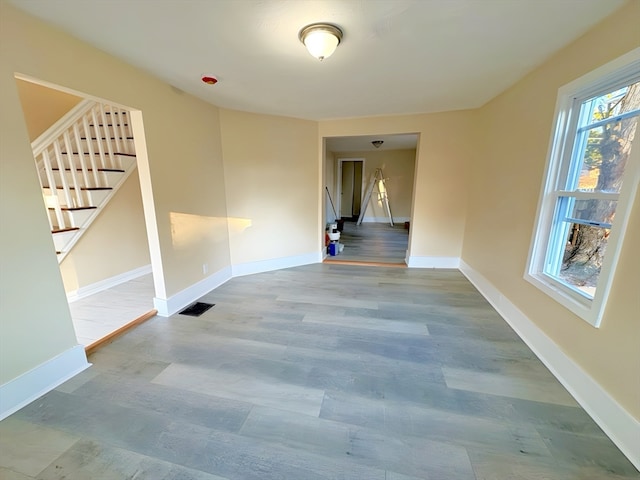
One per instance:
[(321, 39), (377, 143)]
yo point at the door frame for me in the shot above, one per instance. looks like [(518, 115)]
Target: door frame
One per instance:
[(338, 178)]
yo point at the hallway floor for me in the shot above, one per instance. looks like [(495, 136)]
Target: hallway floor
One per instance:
[(98, 315), (373, 242), (314, 373)]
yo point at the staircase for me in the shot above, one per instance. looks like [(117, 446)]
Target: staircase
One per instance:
[(82, 160)]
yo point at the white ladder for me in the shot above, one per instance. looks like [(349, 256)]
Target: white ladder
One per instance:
[(376, 180)]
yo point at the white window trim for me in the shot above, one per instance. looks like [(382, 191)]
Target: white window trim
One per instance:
[(584, 307)]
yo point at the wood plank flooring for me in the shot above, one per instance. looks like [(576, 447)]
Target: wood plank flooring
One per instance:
[(373, 243), (313, 373), (98, 315)]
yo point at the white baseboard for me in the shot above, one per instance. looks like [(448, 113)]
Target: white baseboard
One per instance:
[(94, 288), (396, 220), (172, 305), (31, 385), (275, 264), (619, 425), (432, 262)]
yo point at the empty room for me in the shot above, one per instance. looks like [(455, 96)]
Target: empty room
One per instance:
[(498, 342)]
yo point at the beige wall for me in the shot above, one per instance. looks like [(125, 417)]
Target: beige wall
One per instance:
[(506, 180), (440, 198), (29, 274), (185, 164), (330, 183), (43, 106), (398, 167), (273, 185), (116, 243)]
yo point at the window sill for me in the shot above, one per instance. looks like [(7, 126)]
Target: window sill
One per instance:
[(587, 309)]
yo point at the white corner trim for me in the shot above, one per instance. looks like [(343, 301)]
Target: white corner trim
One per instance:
[(175, 303), (275, 264), (619, 425), (97, 287), (432, 262), (31, 385)]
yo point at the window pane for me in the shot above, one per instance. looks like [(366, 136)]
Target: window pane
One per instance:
[(582, 256), (600, 211), (605, 156), (610, 104)]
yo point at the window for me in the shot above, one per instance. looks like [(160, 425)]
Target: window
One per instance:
[(591, 178)]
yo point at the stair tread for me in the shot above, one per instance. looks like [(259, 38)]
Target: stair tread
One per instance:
[(87, 153), (62, 230), (116, 170), (85, 188), (73, 209), (104, 138)]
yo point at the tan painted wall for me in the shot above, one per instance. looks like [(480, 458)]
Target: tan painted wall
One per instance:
[(43, 106), (398, 167), (440, 198), (330, 183), (185, 163), (273, 185), (506, 181), (116, 243)]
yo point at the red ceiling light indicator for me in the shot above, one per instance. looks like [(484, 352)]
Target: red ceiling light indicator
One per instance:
[(209, 80)]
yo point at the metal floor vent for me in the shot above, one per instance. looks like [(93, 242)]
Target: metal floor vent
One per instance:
[(196, 309)]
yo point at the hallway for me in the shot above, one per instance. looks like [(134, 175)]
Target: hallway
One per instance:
[(373, 243)]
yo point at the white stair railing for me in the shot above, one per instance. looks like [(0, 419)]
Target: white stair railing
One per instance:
[(77, 153)]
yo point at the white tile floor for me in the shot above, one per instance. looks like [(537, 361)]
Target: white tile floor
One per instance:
[(98, 315)]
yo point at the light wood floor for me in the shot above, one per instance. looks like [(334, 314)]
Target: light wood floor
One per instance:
[(373, 242), (313, 373), (98, 315)]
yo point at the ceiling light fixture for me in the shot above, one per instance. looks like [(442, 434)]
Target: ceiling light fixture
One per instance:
[(321, 39), (377, 143)]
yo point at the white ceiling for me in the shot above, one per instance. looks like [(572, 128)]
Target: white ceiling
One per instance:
[(397, 56)]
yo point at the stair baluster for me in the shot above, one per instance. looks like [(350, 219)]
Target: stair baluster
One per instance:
[(81, 155), (92, 155), (63, 178), (98, 134), (107, 135), (77, 191), (53, 200)]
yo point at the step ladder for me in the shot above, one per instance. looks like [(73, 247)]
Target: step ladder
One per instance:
[(378, 181)]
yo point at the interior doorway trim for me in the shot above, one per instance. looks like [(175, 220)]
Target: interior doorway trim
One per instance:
[(338, 177)]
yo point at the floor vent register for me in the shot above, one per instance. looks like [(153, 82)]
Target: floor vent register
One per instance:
[(196, 309)]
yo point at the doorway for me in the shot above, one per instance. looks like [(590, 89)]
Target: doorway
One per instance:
[(350, 187), (349, 167), (106, 290)]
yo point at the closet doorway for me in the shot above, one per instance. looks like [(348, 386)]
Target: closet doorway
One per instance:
[(350, 187)]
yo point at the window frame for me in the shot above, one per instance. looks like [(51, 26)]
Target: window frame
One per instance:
[(621, 71)]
